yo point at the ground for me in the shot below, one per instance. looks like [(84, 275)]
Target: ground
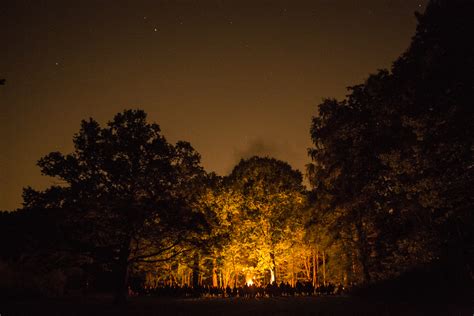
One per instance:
[(229, 306)]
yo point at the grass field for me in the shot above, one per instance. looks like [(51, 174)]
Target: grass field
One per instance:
[(230, 306)]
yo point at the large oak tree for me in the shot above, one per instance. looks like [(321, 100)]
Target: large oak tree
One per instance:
[(128, 193)]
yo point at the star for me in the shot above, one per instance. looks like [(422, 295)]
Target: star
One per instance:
[(155, 29)]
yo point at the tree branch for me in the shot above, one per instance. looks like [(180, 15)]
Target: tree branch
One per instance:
[(163, 259), (138, 258)]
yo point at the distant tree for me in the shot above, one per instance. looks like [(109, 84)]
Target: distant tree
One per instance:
[(128, 193)]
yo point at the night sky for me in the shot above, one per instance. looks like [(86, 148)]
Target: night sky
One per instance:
[(235, 78)]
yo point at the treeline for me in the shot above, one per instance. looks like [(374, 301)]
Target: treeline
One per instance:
[(392, 170), (390, 196), (132, 207)]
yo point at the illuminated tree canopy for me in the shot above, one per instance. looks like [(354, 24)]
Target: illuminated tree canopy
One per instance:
[(271, 201)]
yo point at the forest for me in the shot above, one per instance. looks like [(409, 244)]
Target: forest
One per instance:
[(389, 201)]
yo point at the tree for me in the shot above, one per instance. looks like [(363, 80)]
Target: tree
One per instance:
[(128, 193), (392, 163), (272, 195), (432, 169)]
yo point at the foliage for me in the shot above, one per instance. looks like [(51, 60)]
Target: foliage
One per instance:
[(391, 178), (271, 196), (128, 193), (392, 163)]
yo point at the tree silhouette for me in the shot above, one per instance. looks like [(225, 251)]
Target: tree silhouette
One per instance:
[(128, 193), (392, 163)]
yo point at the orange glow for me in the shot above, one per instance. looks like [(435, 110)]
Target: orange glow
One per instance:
[(249, 279)]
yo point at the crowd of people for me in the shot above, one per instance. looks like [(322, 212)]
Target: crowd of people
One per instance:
[(248, 291)]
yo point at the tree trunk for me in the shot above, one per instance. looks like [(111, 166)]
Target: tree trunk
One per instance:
[(236, 275), (365, 267), (273, 268), (324, 268), (353, 263), (307, 267), (122, 273), (183, 277), (214, 273), (172, 280), (293, 282), (315, 268), (363, 249), (196, 273)]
